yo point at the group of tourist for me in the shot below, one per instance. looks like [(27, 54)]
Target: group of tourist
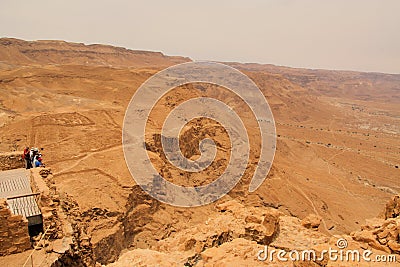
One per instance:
[(32, 157)]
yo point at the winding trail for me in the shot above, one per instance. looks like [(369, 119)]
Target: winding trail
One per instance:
[(88, 155), (299, 190)]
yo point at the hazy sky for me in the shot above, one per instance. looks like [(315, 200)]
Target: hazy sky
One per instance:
[(332, 34)]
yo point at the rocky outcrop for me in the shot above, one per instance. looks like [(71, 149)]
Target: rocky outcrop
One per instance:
[(392, 209), (129, 227), (383, 233), (236, 234), (380, 234), (232, 235), (312, 221)]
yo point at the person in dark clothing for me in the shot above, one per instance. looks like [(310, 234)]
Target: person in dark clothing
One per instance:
[(26, 157)]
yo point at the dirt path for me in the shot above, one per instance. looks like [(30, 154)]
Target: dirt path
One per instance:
[(88, 155)]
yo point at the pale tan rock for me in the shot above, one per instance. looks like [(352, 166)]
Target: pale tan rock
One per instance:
[(271, 224), (231, 205), (394, 246), (239, 252), (312, 221), (253, 219), (373, 224), (392, 209), (371, 239)]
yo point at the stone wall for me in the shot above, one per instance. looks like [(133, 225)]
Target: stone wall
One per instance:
[(12, 160), (58, 210), (49, 202), (14, 235)]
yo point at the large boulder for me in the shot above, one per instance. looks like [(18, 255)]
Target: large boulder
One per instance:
[(312, 221)]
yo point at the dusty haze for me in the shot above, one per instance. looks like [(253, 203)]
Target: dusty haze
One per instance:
[(345, 35)]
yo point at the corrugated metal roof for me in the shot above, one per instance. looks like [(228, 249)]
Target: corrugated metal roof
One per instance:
[(25, 206), (14, 183), (15, 187)]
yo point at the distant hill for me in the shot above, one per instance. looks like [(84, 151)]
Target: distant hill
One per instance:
[(20, 52), (342, 84), (355, 85)]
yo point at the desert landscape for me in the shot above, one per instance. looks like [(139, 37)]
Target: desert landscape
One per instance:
[(335, 173)]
